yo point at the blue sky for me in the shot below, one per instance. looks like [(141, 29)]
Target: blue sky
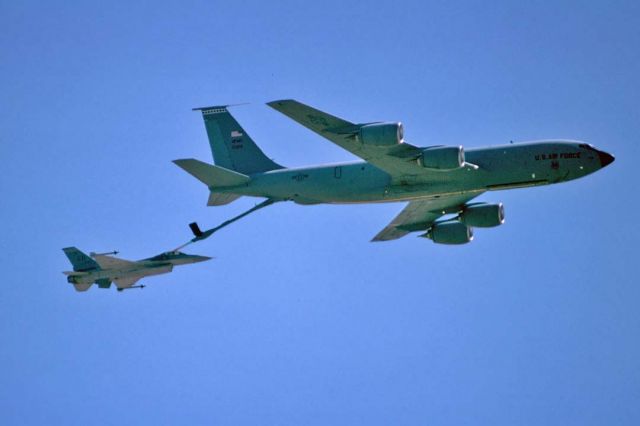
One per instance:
[(300, 320)]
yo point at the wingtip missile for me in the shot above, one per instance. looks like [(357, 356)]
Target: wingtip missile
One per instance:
[(110, 253), (121, 289)]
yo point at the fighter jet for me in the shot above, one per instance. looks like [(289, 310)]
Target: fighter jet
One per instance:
[(102, 268), (438, 181)]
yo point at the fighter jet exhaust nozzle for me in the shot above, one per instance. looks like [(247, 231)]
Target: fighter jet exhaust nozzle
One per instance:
[(442, 157), (449, 233), (483, 215)]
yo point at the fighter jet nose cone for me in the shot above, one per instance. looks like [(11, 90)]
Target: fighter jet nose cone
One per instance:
[(605, 158)]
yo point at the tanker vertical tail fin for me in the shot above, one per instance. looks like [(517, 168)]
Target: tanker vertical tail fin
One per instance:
[(231, 145)]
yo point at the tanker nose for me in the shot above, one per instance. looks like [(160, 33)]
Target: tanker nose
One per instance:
[(605, 158)]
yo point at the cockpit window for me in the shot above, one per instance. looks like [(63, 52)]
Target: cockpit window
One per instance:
[(587, 146)]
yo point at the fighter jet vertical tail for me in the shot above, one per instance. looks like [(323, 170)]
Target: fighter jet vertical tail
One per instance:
[(231, 145), (79, 260)]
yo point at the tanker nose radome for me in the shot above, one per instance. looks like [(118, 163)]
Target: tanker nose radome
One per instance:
[(605, 158)]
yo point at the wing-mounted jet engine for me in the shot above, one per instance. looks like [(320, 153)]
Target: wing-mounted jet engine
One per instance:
[(482, 215), (442, 157), (452, 232), (381, 134), (459, 230)]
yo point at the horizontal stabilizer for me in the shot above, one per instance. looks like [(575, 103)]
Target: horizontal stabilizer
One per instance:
[(221, 199), (74, 273), (210, 175)]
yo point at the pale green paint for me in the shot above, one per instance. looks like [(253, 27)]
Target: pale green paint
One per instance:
[(391, 172), (500, 167)]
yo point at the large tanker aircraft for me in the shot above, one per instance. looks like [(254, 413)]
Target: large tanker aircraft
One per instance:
[(439, 182)]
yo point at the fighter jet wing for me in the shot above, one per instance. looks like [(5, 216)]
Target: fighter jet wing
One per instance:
[(126, 282), (108, 262), (420, 214), (397, 160)]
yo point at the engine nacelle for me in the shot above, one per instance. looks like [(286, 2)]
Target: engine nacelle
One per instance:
[(450, 233), (382, 134), (483, 215), (442, 157)]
